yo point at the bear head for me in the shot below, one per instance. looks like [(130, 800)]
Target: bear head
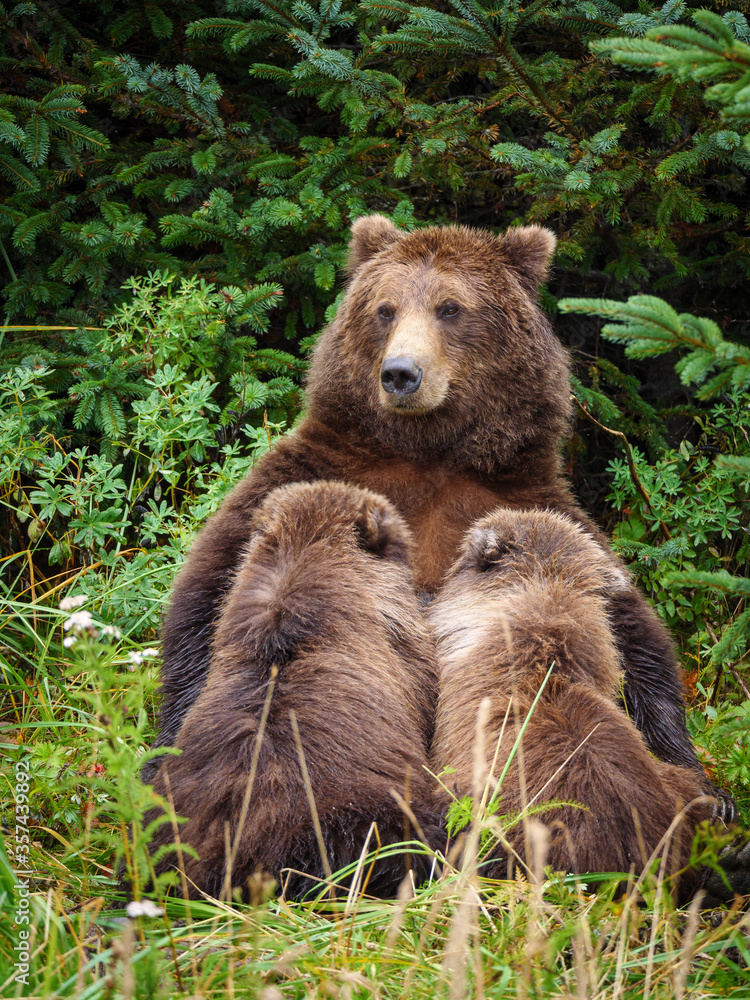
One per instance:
[(520, 545), (439, 349), (316, 551), (529, 588)]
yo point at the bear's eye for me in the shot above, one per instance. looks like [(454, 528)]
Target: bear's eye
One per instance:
[(386, 313), (448, 309)]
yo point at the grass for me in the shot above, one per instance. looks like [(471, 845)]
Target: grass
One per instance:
[(78, 718), (549, 938)]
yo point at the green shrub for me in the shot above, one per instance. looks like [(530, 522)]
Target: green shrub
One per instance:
[(110, 458), (683, 515)]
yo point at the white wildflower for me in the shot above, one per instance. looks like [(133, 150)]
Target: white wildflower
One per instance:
[(78, 622), (111, 630), (142, 908), (137, 656), (71, 603), (69, 640)]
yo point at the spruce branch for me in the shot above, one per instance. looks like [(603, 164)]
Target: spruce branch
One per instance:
[(648, 326), (712, 53), (720, 580)]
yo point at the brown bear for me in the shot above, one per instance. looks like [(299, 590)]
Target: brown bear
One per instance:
[(529, 592), (441, 386), (323, 608)]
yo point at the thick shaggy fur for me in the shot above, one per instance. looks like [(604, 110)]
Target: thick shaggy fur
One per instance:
[(324, 595), (483, 429), (530, 590)]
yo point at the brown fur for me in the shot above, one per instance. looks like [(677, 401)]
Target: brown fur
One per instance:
[(495, 393), (324, 594), (529, 590), (483, 429)]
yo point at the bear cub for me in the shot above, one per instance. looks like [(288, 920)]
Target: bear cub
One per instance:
[(529, 591), (321, 621)]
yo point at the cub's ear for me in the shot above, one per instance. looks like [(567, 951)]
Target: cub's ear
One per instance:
[(382, 531), (370, 234), (487, 548), (527, 250)]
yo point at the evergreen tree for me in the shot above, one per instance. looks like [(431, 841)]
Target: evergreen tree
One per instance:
[(239, 147)]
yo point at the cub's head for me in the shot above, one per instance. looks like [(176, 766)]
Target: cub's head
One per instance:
[(321, 557), (329, 516), (509, 547), (440, 345)]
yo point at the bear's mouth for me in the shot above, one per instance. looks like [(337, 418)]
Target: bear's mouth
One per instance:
[(407, 407)]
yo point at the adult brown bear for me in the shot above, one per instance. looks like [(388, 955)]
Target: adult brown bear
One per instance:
[(321, 620), (441, 386), (528, 596)]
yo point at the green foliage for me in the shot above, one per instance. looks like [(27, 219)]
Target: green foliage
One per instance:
[(196, 328), (245, 149), (717, 50), (72, 760), (115, 447), (724, 734), (649, 326), (684, 512), (684, 515)]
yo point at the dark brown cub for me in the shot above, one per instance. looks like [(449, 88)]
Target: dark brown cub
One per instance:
[(322, 611)]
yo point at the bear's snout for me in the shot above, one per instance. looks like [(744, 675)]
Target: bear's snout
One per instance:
[(400, 375)]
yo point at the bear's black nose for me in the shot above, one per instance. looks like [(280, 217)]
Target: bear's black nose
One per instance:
[(400, 375)]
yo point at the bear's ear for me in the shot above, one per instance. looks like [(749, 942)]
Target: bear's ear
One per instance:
[(528, 249), (370, 234), (381, 531), (489, 549)]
